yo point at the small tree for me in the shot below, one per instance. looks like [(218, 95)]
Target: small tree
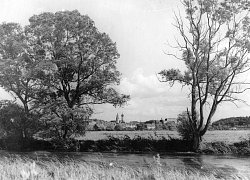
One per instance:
[(62, 122), (119, 127), (99, 127), (215, 49), (184, 127), (14, 122), (141, 126), (110, 127)]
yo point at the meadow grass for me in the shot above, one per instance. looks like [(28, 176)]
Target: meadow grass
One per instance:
[(229, 136), (16, 168)]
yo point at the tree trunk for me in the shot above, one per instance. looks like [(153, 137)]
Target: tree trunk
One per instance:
[(25, 120), (196, 142), (65, 132)]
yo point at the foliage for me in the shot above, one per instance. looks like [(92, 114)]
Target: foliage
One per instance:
[(141, 127), (62, 122), (81, 60), (110, 127), (184, 128), (136, 144), (15, 123), (119, 127), (215, 45), (18, 64), (99, 127)]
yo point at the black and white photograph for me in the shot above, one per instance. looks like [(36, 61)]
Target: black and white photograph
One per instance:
[(125, 89)]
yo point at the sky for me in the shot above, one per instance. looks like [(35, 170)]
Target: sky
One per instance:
[(142, 30)]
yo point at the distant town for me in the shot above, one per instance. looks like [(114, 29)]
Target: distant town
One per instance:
[(120, 124)]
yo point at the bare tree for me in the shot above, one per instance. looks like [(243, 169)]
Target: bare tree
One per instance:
[(215, 45)]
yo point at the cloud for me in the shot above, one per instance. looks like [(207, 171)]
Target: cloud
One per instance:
[(141, 86), (150, 99)]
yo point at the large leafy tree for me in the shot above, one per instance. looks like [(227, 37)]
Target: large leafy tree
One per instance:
[(215, 45), (78, 68)]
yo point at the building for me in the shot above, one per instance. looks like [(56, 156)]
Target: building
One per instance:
[(131, 125), (150, 125), (122, 120), (117, 118), (171, 119)]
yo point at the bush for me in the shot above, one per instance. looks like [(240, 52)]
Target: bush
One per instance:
[(15, 123), (141, 127), (184, 128), (119, 127), (99, 127), (110, 127)]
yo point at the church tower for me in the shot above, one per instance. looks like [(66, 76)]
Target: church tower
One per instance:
[(117, 118), (122, 120)]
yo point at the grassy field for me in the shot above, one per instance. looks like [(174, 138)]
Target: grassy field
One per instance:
[(15, 168), (228, 136)]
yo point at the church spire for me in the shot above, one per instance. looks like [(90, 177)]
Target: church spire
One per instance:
[(117, 118)]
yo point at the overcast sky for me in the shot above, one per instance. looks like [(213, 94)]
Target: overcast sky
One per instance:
[(142, 29)]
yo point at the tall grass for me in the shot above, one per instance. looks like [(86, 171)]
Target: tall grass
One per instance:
[(16, 168)]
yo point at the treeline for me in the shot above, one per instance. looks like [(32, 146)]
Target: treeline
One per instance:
[(232, 123)]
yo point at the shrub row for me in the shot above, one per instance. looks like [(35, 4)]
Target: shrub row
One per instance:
[(124, 144)]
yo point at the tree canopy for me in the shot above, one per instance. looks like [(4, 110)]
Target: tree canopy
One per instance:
[(79, 61)]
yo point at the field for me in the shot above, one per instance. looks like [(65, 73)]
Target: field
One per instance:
[(229, 136), (23, 168)]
